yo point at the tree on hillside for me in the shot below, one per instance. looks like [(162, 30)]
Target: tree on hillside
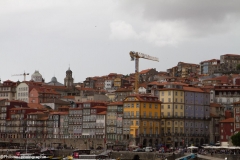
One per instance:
[(236, 139), (238, 67)]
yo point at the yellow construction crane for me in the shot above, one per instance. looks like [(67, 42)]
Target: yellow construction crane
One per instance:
[(135, 56), (24, 75)]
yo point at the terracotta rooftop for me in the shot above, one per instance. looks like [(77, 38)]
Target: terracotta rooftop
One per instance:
[(103, 113), (123, 90), (75, 108), (143, 85), (35, 113), (96, 107), (231, 55), (43, 118), (36, 106), (192, 89), (141, 97), (155, 83), (60, 113), (144, 71), (227, 120)]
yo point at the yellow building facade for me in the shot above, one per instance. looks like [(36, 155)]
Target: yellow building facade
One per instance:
[(141, 119), (172, 114)]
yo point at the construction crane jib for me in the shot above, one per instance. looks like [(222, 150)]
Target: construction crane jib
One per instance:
[(24, 75), (135, 56)]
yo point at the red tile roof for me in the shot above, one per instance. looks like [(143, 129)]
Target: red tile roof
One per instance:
[(227, 120), (43, 118), (36, 106), (102, 113), (60, 113), (34, 113), (144, 71), (231, 55), (141, 97), (124, 90), (96, 107), (156, 83), (143, 85), (192, 89)]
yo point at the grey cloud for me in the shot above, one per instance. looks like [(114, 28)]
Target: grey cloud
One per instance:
[(213, 10), (200, 17)]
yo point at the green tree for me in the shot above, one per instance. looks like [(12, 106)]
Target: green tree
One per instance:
[(238, 67), (236, 139)]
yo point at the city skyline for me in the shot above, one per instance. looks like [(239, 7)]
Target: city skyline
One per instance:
[(95, 40)]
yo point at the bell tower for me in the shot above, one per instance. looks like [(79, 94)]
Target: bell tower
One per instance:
[(68, 80)]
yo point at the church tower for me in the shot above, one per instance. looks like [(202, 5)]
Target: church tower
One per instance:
[(68, 80)]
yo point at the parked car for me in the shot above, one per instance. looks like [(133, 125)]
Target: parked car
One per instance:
[(138, 150)]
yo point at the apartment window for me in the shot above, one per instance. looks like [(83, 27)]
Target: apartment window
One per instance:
[(176, 114), (150, 105), (162, 114), (137, 122), (132, 113), (150, 114), (175, 99), (156, 107), (169, 93), (176, 107), (168, 106), (137, 105), (162, 99), (132, 105), (169, 99), (181, 107), (137, 113), (237, 110), (176, 93), (162, 106), (162, 93), (144, 105), (162, 122), (168, 114)]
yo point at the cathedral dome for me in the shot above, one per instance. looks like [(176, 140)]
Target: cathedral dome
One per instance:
[(36, 73), (36, 76), (54, 79)]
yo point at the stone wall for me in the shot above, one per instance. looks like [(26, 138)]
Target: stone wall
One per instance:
[(75, 143)]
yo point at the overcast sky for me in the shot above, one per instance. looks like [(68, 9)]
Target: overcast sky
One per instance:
[(94, 37)]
